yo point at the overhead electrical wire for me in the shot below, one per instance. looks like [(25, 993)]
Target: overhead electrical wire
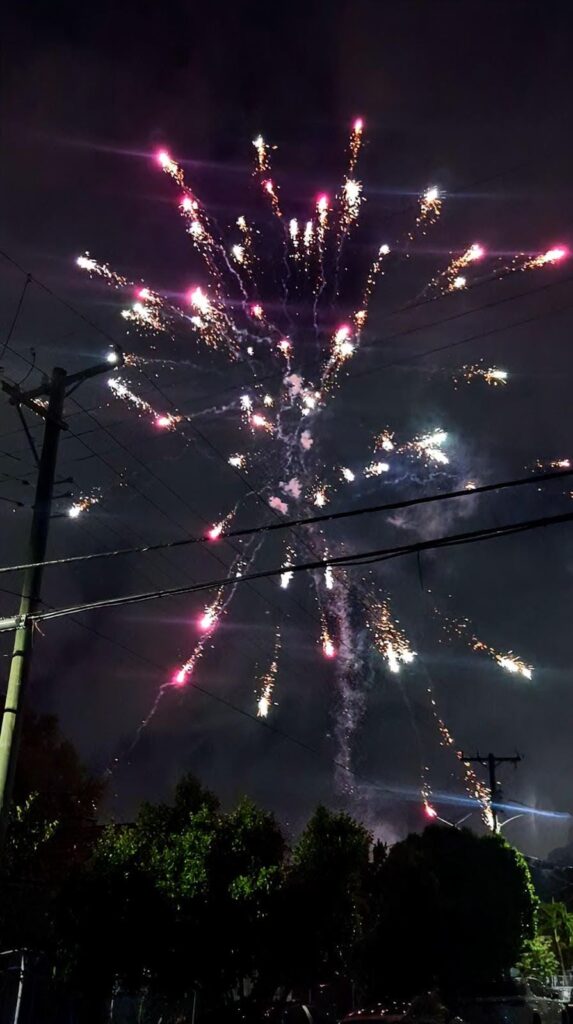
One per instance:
[(350, 560), (391, 337), (303, 521), (90, 413), (17, 312)]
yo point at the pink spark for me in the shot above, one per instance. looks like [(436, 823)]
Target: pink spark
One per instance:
[(144, 293), (430, 811), (163, 158), (162, 422), (554, 255), (187, 204), (199, 300), (284, 345), (322, 202), (207, 620), (258, 420), (215, 531), (342, 333), (477, 251), (180, 677), (257, 311), (358, 125)]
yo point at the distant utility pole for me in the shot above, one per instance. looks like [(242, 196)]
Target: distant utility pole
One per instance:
[(55, 390), (491, 762)]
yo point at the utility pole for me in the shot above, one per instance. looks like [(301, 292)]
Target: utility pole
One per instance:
[(491, 762), (55, 389)]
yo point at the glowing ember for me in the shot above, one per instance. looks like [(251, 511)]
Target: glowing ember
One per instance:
[(376, 469), (268, 680), (259, 421), (167, 421), (328, 648), (553, 255), (199, 300), (389, 639), (208, 619), (82, 504), (491, 375)]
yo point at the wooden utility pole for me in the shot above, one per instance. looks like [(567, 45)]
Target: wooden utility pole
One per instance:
[(491, 762), (55, 389)]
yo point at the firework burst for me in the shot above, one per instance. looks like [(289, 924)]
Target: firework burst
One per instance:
[(270, 297)]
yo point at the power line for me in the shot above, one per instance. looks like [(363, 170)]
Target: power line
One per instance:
[(16, 314), (38, 426), (356, 374), (303, 521), (253, 643), (350, 560), (463, 341), (167, 486), (424, 327), (198, 515), (414, 357), (58, 298), (244, 478), (417, 355), (309, 546), (391, 337), (146, 467)]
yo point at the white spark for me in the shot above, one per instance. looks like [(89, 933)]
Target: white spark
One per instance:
[(376, 469)]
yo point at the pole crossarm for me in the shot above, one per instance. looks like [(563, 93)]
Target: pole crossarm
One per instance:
[(492, 763)]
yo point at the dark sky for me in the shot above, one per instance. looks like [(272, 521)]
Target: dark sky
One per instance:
[(475, 96)]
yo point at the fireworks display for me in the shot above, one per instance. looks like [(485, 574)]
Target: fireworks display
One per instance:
[(269, 301)]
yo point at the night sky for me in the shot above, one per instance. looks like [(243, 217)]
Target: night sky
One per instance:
[(473, 96)]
